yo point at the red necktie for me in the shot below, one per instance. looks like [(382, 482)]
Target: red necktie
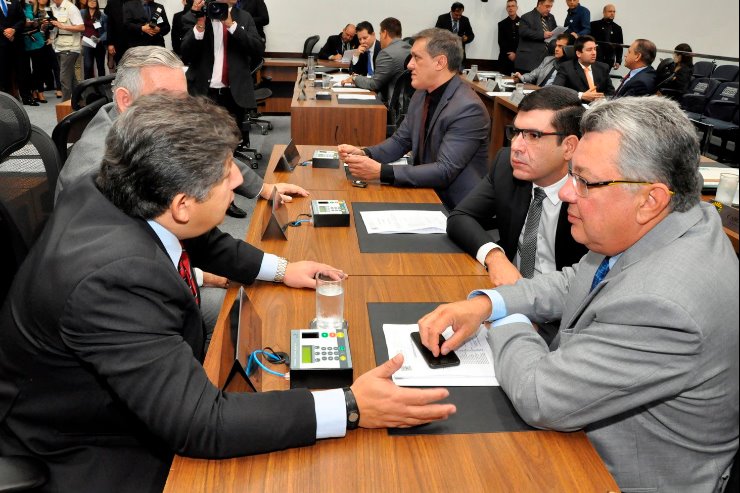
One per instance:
[(423, 130), (624, 79), (225, 69), (186, 272)]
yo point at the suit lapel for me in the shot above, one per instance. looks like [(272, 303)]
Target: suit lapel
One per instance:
[(449, 92)]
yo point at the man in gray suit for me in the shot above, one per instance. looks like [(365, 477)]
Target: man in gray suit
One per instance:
[(535, 28), (446, 128), (144, 70), (389, 65), (545, 73), (646, 360)]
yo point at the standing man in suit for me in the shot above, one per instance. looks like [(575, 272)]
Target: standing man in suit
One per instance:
[(117, 38), (535, 29), (640, 80), (455, 22), (646, 363), (608, 36), (145, 22), (508, 38), (12, 22), (578, 19), (100, 366), (258, 10), (544, 75), (584, 74), (337, 44), (363, 62), (390, 63), (446, 128)]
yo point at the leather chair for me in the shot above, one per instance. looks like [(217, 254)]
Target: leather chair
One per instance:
[(69, 130), (309, 44), (719, 118), (703, 69), (700, 91), (726, 73), (90, 90)]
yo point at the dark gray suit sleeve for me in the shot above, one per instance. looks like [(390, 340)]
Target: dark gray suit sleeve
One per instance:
[(252, 184), (529, 31), (383, 73)]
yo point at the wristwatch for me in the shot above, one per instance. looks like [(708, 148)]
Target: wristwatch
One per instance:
[(280, 273), (353, 412)]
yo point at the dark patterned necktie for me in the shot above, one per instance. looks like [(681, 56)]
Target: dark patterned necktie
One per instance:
[(624, 80), (423, 129), (601, 273), (186, 272), (528, 247), (544, 24), (455, 27)]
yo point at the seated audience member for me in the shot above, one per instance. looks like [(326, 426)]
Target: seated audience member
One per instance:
[(534, 28), (145, 23), (458, 24), (390, 63), (544, 75), (337, 44), (646, 363), (363, 62), (682, 75), (640, 80), (584, 74), (578, 20), (446, 127), (101, 373)]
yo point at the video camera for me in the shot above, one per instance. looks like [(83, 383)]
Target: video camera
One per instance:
[(216, 10), (155, 17)]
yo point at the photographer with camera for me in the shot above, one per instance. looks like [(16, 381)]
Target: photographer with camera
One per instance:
[(145, 23)]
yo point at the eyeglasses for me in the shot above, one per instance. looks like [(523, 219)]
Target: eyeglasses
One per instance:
[(581, 185), (530, 136)]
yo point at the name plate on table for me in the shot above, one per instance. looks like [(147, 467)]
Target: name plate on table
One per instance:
[(276, 218)]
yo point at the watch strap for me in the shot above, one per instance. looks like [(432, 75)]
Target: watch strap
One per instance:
[(353, 412)]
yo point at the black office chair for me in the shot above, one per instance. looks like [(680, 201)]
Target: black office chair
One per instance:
[(719, 118), (700, 91), (69, 130), (726, 73), (569, 53), (90, 90), (261, 94), (703, 69), (309, 44)]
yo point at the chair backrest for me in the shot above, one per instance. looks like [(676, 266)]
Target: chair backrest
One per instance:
[(726, 73), (703, 69), (723, 103), (398, 105), (569, 53), (90, 90), (700, 90), (69, 130), (309, 44), (15, 126)]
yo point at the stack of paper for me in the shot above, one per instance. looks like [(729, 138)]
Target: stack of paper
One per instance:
[(476, 361), (393, 222), (355, 97)]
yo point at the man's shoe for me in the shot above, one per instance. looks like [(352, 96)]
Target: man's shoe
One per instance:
[(234, 211)]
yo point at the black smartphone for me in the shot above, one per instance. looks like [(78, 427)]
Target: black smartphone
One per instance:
[(359, 184), (449, 359)]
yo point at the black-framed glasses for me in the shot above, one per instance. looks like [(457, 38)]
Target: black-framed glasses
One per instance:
[(581, 185), (529, 135)]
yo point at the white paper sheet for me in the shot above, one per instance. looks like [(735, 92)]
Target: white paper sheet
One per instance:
[(355, 97), (393, 222), (89, 42), (350, 90)]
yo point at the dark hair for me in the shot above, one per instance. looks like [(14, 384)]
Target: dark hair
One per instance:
[(551, 44), (163, 145), (365, 26), (646, 49), (563, 101), (392, 26), (97, 11), (457, 6), (581, 42), (443, 42), (686, 59)]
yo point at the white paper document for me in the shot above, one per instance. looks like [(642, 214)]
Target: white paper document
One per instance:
[(89, 42), (555, 33), (503, 94), (355, 97), (475, 368), (711, 174), (393, 222), (350, 90)]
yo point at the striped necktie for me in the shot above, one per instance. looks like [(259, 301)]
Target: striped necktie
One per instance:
[(544, 24), (601, 273), (455, 26), (4, 7), (186, 272), (528, 247)]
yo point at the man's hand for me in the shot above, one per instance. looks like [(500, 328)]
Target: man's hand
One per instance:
[(464, 317), (383, 404), (617, 65), (363, 167), (197, 5), (511, 55), (214, 281), (9, 33), (348, 80), (147, 29), (517, 77), (346, 150), (575, 35), (302, 274), (548, 34), (592, 95), (111, 50), (335, 57), (464, 38), (501, 271), (284, 189), (360, 50)]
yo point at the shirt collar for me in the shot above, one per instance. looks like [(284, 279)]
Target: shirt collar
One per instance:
[(636, 71), (551, 191), (171, 244), (436, 94)]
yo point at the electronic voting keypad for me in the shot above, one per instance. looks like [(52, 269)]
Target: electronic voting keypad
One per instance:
[(320, 358)]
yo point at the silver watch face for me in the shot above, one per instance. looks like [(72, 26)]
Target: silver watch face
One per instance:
[(353, 417)]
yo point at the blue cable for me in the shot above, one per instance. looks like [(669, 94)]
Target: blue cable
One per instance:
[(270, 356)]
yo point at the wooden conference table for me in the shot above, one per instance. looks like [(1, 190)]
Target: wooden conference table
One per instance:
[(372, 460), (282, 74)]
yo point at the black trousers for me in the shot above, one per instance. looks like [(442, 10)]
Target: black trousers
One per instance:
[(224, 98)]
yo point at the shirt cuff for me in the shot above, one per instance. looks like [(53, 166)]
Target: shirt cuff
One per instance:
[(331, 413), (198, 276), (484, 250), (269, 267), (199, 35), (497, 302), (386, 174), (512, 319)]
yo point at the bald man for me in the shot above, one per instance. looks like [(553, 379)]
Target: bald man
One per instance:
[(607, 31)]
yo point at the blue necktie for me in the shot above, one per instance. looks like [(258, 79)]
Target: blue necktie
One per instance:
[(370, 70), (601, 273), (4, 7)]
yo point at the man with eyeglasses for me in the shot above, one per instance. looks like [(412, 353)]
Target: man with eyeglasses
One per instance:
[(646, 359)]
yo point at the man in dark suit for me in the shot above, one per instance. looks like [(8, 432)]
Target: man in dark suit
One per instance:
[(258, 10), (508, 38), (584, 74), (640, 80), (145, 22), (363, 62), (337, 44), (608, 36), (446, 127), (455, 22), (100, 365), (545, 137), (12, 21), (535, 28)]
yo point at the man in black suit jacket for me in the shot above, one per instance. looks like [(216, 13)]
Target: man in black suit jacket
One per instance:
[(534, 28), (573, 74), (508, 38), (100, 365), (640, 80), (368, 49), (337, 44), (145, 22), (455, 22), (608, 35), (117, 38), (503, 198), (11, 45), (258, 10)]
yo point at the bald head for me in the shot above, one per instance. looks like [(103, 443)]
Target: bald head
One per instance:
[(610, 11)]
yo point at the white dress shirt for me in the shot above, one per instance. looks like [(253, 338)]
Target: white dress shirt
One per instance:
[(218, 50)]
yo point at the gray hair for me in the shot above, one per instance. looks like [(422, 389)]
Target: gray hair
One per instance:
[(658, 144), (443, 42), (163, 145), (128, 74)]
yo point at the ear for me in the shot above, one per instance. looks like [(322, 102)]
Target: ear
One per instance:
[(123, 99), (441, 62), (654, 202), (569, 147), (180, 208)]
